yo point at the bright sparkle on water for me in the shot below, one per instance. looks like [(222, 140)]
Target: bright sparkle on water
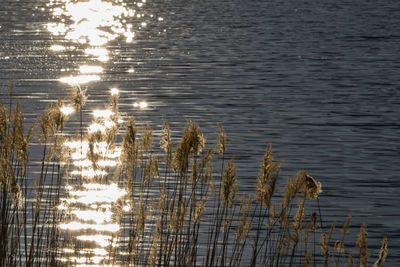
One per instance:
[(114, 91), (105, 113), (67, 110), (141, 104), (95, 22), (80, 79), (57, 48), (85, 69), (92, 24), (96, 127), (89, 204), (77, 226), (101, 240), (99, 53)]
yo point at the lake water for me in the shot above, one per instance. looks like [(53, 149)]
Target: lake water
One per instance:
[(318, 79)]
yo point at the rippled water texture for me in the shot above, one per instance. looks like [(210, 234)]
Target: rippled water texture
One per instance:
[(320, 80)]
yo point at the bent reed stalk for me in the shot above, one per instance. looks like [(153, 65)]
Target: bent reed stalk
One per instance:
[(185, 205)]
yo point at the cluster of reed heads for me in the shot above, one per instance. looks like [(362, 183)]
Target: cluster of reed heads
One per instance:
[(185, 205)]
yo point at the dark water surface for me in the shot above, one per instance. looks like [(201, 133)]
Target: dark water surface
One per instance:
[(320, 80)]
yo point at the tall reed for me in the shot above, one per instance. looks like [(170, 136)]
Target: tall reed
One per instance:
[(185, 205)]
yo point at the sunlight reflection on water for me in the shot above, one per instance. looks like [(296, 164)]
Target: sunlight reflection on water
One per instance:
[(90, 205), (92, 23), (90, 202)]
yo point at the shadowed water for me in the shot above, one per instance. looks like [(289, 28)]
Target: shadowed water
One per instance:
[(317, 79)]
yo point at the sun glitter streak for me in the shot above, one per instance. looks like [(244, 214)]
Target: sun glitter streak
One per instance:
[(90, 204), (95, 22), (92, 23), (88, 26)]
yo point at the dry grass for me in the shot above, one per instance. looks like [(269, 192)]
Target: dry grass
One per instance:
[(182, 212)]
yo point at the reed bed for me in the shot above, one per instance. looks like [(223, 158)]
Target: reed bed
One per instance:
[(182, 207)]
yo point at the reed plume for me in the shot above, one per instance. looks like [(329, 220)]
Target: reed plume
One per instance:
[(325, 247), (346, 226), (77, 98), (362, 245), (166, 143), (193, 141), (229, 186), (221, 140), (267, 178), (163, 221), (382, 253), (339, 247)]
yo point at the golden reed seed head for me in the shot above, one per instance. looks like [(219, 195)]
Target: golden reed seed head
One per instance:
[(382, 253), (4, 120), (266, 180), (166, 143), (147, 138), (77, 98), (339, 247), (227, 224), (200, 209), (207, 157), (195, 172), (272, 212), (243, 232), (313, 222), (244, 224), (129, 142), (198, 140), (324, 246), (179, 217), (58, 117), (193, 141), (333, 226), (151, 170), (302, 183), (229, 186), (44, 122), (346, 226), (221, 140), (298, 218), (18, 140), (311, 188), (362, 236), (114, 99), (284, 216), (207, 178), (362, 245)]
